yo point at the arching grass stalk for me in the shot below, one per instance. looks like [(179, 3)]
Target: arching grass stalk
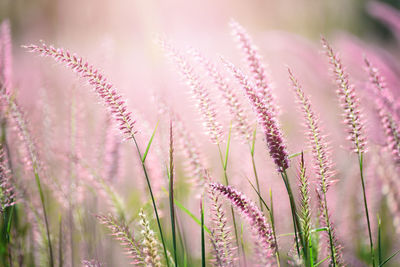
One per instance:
[(46, 221), (224, 163), (111, 98), (203, 246), (152, 198), (360, 161), (17, 116), (253, 162), (171, 191), (271, 217)]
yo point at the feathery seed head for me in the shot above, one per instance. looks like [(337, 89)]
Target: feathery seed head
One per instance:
[(250, 212), (221, 238), (7, 190), (266, 119), (348, 100), (150, 244), (320, 150), (205, 104), (105, 90), (254, 62), (240, 120), (389, 113), (121, 233)]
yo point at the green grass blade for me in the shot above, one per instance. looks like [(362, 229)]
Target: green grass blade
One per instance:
[(203, 245), (262, 200), (295, 155), (227, 147), (379, 241), (253, 142), (185, 210), (388, 259), (322, 261), (149, 144), (60, 238)]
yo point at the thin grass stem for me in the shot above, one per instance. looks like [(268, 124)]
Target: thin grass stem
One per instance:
[(360, 160), (152, 200)]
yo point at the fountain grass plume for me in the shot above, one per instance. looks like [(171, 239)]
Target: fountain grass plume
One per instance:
[(120, 232), (320, 156), (320, 150), (220, 237), (112, 99), (151, 246), (387, 111), (352, 118), (105, 90), (239, 119), (257, 222), (189, 148), (7, 190), (348, 100), (254, 62), (266, 119), (205, 104), (31, 159), (305, 210)]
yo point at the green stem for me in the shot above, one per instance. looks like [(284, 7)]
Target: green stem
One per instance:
[(232, 212), (171, 195), (329, 228), (203, 247), (37, 178), (360, 160), (272, 218), (152, 199), (296, 224), (256, 176)]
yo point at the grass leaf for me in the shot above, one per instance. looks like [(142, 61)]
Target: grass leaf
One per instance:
[(149, 144)]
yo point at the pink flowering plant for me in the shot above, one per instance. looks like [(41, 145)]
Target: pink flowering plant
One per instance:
[(200, 159)]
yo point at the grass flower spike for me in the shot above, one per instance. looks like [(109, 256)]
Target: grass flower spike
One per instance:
[(7, 190), (348, 100), (388, 112), (250, 212), (254, 61), (101, 85), (240, 121), (221, 238), (121, 233), (205, 104), (266, 119)]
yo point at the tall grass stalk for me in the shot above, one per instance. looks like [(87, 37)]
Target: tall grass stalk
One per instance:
[(171, 190), (253, 162), (224, 163), (116, 106), (203, 245), (296, 223), (371, 244)]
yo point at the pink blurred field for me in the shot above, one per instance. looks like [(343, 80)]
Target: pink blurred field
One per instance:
[(118, 118)]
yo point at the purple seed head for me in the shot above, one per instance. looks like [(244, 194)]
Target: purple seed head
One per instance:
[(255, 64), (266, 119), (252, 214)]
